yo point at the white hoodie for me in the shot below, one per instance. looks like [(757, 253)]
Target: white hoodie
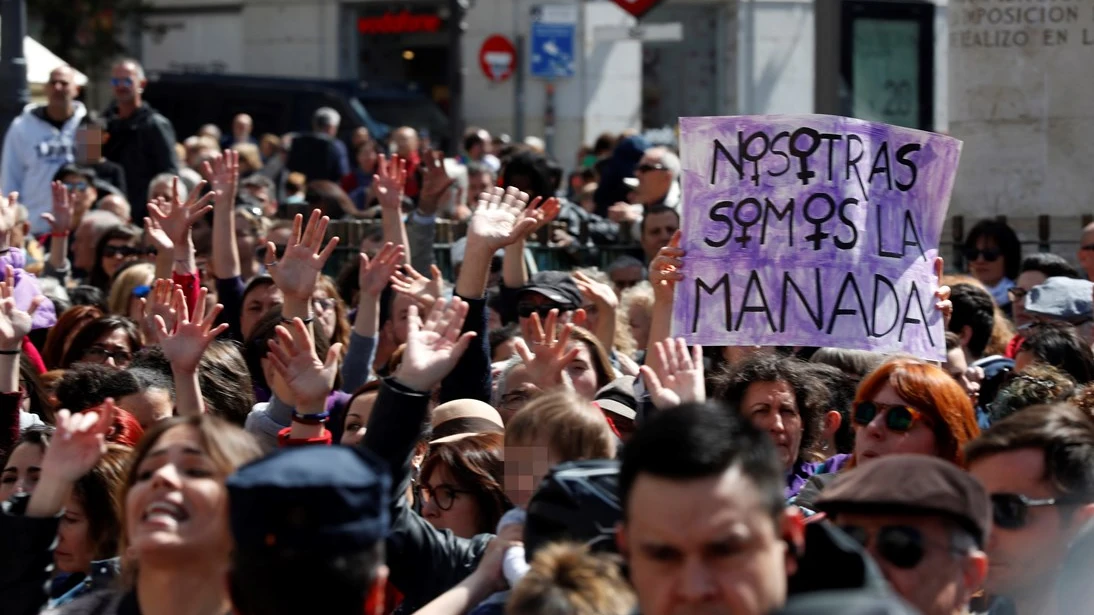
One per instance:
[(34, 150)]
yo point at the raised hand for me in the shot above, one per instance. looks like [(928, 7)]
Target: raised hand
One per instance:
[(223, 173), (942, 293), (548, 355), (178, 217), (676, 377), (541, 211), (498, 220), (192, 334), (60, 216), (435, 182), (597, 293), (15, 324), (665, 268), (389, 181), (433, 347), (78, 443), (293, 356), (8, 212), (159, 304), (373, 276), (298, 270), (421, 289), (155, 231)]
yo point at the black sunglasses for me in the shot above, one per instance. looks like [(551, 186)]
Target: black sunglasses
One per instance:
[(646, 168), (1017, 293), (898, 417), (990, 255), (261, 252), (112, 251), (901, 545), (1011, 510), (525, 310)]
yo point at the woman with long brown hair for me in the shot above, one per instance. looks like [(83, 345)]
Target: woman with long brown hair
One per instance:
[(461, 484)]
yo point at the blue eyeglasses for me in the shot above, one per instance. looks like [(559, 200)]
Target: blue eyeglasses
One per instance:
[(142, 290)]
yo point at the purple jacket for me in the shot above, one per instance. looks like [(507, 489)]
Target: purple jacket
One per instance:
[(797, 477), (27, 288)]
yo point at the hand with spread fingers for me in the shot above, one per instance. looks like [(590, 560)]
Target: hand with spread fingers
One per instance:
[(157, 235), (176, 217), (435, 182), (159, 306), (292, 355), (542, 211), (187, 341), (297, 273), (389, 182), (665, 268), (374, 274), (543, 350), (15, 324), (60, 216), (9, 210), (77, 444), (499, 220), (421, 289), (223, 173), (435, 346), (677, 376), (597, 293)]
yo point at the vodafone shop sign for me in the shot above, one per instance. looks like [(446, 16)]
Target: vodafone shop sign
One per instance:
[(497, 58)]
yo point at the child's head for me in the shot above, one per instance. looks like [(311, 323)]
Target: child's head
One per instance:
[(554, 428)]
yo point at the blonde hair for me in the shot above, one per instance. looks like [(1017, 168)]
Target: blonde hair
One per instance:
[(574, 429), (641, 296), (121, 290), (248, 152), (566, 579)]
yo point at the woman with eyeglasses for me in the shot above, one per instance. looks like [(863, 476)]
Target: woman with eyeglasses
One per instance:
[(118, 245), (993, 255), (460, 485), (110, 340), (331, 320)]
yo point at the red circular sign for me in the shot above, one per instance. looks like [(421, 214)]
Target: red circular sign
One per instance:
[(497, 58)]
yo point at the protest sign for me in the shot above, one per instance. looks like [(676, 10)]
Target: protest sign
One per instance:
[(812, 231)]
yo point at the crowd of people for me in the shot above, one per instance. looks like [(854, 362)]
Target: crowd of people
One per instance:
[(196, 418)]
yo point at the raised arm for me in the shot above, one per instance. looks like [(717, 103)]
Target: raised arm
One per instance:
[(603, 298), (664, 274), (183, 347), (77, 445), (292, 355), (679, 377), (223, 172), (389, 183), (297, 273), (177, 221), (372, 278), (60, 226)]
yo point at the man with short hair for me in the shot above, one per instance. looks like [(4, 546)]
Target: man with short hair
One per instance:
[(263, 190), (1037, 466), (626, 271), (973, 321), (82, 191), (242, 126), (1036, 268), (39, 142), (316, 154), (658, 175), (315, 515), (705, 524), (476, 147), (657, 228), (925, 522), (138, 138), (117, 205), (408, 147), (1086, 251)]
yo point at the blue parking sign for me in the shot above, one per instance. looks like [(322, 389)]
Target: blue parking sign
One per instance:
[(551, 53)]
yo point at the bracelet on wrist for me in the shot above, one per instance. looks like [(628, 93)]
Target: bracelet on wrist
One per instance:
[(10, 352), (311, 419), (60, 235)]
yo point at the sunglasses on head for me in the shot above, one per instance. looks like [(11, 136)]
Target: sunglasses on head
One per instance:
[(1011, 510), (901, 545), (898, 417), (991, 255), (525, 310)]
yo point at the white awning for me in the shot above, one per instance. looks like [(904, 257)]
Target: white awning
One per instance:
[(42, 61)]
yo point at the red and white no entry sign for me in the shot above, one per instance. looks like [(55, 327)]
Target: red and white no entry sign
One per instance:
[(497, 57)]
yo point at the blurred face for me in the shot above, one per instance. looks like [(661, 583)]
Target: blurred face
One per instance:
[(325, 315), (658, 232), (149, 406), (653, 178), (257, 302), (1086, 253), (581, 371), (62, 89), (117, 251), (81, 193), (357, 418), (447, 505), (241, 126), (360, 135), (400, 317), (127, 83), (703, 547), (246, 239), (178, 506), (876, 439), (771, 406), (505, 351), (525, 466), (957, 366), (988, 265), (638, 317), (74, 550), (113, 349), (21, 473), (519, 390), (89, 145), (1024, 560), (366, 158), (1025, 283), (406, 141), (476, 185), (626, 277), (939, 582), (116, 205), (163, 190)]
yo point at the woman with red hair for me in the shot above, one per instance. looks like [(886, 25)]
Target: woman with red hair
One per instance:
[(910, 406)]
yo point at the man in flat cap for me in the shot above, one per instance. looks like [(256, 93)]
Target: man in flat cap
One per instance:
[(924, 520), (309, 525)]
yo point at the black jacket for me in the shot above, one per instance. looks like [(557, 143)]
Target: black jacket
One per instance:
[(144, 145), (316, 156), (424, 562)]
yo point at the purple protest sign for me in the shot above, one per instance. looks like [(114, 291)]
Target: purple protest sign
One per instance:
[(812, 230)]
